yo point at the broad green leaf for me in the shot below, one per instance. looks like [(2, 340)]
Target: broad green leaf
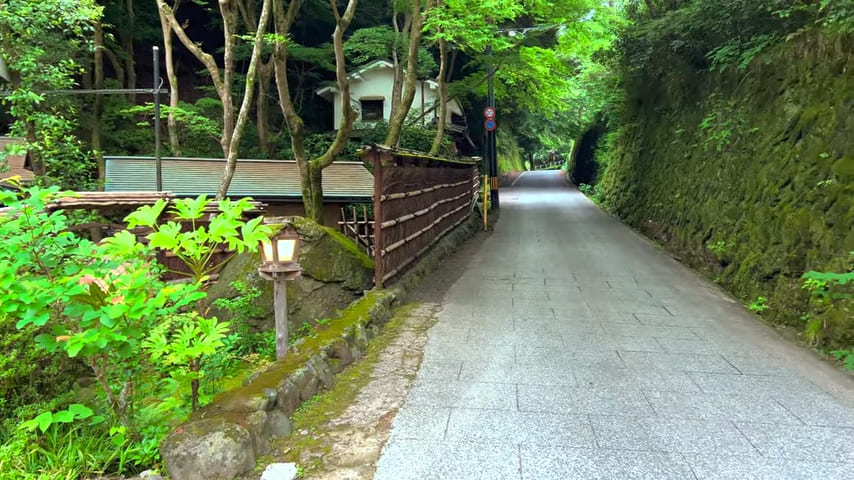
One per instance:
[(147, 215), (80, 411), (190, 208), (64, 416), (44, 421), (122, 244)]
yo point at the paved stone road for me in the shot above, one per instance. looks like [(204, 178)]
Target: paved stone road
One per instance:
[(573, 349)]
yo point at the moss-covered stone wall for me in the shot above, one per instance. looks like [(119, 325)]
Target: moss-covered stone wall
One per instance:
[(747, 174)]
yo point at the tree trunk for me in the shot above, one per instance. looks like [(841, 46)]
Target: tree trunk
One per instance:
[(117, 66), (262, 114), (312, 191), (248, 93), (172, 77), (127, 44), (228, 11), (36, 158), (311, 170), (98, 106), (399, 116), (222, 82), (443, 97), (246, 8), (397, 85)]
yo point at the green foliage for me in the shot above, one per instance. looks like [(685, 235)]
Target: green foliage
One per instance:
[(198, 125), (73, 413), (758, 306), (196, 247), (830, 292), (591, 192), (368, 45), (508, 152), (105, 305), (27, 377), (96, 303), (42, 43), (721, 249), (413, 137), (723, 34), (176, 346), (70, 450), (92, 302), (846, 357)]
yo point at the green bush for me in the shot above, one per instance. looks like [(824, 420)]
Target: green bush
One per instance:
[(105, 307)]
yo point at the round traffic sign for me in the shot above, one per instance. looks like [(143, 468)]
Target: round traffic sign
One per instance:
[(490, 125), (489, 112)]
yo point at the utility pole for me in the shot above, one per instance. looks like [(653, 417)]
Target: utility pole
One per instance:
[(158, 163), (491, 150)]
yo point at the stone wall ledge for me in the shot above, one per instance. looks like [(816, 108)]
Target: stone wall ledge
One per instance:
[(224, 439)]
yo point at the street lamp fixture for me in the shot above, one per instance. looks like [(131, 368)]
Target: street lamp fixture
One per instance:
[(280, 253), (279, 263)]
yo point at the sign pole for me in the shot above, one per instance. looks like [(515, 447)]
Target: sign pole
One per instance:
[(490, 134), (158, 161)]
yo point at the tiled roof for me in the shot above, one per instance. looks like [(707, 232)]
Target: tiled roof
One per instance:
[(15, 162), (265, 179)]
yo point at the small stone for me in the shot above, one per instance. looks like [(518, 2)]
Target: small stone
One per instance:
[(150, 475), (280, 471)]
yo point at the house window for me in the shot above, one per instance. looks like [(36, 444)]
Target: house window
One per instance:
[(372, 110)]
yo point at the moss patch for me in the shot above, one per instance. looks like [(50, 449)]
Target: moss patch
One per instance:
[(358, 314), (334, 274), (331, 404), (746, 175)]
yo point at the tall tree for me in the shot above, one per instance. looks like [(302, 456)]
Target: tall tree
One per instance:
[(417, 11), (223, 79), (265, 75), (172, 78), (44, 45), (311, 169)]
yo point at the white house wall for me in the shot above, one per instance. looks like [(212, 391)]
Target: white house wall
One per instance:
[(380, 83)]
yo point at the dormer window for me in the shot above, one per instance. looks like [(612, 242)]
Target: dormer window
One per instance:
[(372, 108)]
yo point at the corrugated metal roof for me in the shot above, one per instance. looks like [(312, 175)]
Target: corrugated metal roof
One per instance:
[(252, 178)]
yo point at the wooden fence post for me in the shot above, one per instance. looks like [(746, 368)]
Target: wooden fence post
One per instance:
[(378, 219)]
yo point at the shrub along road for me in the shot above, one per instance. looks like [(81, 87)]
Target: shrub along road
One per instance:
[(573, 348)]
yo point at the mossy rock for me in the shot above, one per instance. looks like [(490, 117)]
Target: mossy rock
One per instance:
[(334, 273)]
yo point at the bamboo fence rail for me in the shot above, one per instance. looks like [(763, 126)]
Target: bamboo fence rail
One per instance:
[(418, 199)]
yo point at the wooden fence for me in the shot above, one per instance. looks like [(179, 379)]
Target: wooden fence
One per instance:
[(417, 200), (357, 223)]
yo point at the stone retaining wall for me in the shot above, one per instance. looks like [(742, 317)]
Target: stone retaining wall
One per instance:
[(224, 439)]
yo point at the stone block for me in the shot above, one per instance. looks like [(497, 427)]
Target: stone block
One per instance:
[(208, 449), (278, 425), (288, 397), (255, 423)]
